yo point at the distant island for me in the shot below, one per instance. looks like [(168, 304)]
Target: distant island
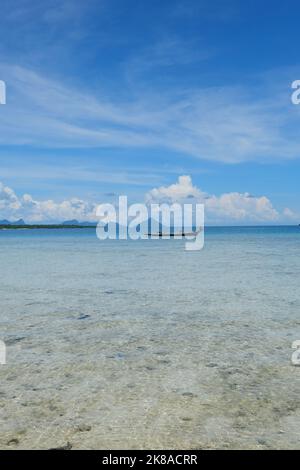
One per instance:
[(20, 224), (159, 231)]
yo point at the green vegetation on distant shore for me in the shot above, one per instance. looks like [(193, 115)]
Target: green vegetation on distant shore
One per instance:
[(38, 226)]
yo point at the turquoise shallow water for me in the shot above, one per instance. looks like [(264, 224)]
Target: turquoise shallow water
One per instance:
[(123, 344)]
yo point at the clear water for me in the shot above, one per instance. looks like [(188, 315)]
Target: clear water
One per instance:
[(143, 345)]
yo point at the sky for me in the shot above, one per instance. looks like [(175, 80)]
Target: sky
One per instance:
[(161, 100)]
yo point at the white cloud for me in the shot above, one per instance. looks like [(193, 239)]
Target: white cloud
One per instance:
[(13, 207), (225, 124), (291, 215), (228, 208), (179, 191), (241, 208), (8, 199)]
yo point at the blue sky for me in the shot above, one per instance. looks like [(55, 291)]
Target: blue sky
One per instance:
[(109, 97)]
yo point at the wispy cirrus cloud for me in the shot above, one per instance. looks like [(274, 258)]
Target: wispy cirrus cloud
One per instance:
[(53, 13), (217, 124), (168, 52), (216, 10), (67, 174)]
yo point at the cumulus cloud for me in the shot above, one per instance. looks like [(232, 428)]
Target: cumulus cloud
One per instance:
[(8, 199), (13, 207), (241, 207), (226, 208), (176, 192), (291, 215)]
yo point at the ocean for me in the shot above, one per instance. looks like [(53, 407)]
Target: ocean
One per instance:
[(142, 345)]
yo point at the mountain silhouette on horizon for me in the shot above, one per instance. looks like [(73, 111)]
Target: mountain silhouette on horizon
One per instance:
[(17, 222)]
